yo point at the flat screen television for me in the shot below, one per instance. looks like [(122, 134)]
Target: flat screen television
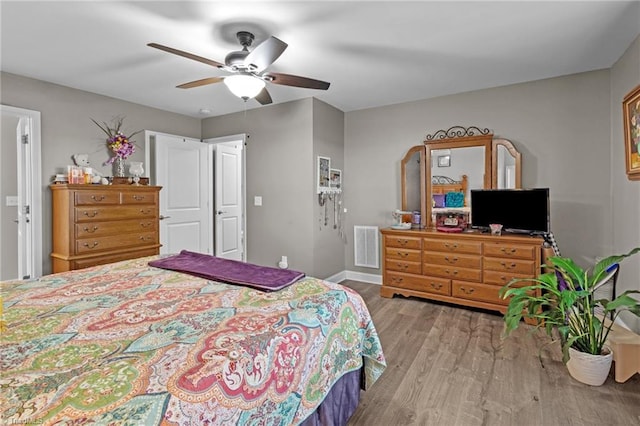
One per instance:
[(518, 210)]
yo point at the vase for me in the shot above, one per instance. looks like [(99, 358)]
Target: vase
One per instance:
[(590, 369), (118, 168)]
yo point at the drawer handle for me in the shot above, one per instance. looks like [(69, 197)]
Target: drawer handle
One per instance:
[(509, 251), (145, 211), (451, 246), (138, 197), (98, 199), (146, 225), (403, 266), (452, 260), (403, 254), (436, 286), (396, 279), (95, 213), (510, 266), (454, 272), (90, 246), (147, 238), (403, 242), (467, 291), (90, 231)]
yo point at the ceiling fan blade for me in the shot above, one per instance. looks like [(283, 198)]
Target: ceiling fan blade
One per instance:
[(198, 83), (265, 54), (264, 97), (296, 81), (187, 55)]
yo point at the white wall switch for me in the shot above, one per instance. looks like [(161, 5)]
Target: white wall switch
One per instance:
[(12, 200), (257, 200)]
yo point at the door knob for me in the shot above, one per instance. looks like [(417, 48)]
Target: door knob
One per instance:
[(164, 217), (220, 211)]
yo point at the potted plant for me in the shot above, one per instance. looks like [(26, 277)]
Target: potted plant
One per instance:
[(563, 299)]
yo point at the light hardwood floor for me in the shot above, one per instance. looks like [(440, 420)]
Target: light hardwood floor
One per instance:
[(449, 366)]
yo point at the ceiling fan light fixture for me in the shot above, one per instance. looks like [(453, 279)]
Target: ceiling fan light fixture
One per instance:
[(244, 86)]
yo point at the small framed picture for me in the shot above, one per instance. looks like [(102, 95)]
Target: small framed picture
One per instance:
[(335, 179), (324, 166), (444, 161)]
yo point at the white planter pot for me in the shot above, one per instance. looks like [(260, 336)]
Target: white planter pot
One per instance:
[(589, 369)]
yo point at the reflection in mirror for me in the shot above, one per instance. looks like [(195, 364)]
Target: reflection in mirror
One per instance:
[(412, 179), (464, 164), (506, 173)]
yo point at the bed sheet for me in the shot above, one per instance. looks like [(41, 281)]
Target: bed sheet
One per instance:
[(127, 343)]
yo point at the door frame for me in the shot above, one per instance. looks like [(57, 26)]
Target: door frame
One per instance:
[(222, 140), (33, 244)]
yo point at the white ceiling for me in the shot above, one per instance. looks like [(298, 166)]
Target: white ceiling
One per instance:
[(372, 53)]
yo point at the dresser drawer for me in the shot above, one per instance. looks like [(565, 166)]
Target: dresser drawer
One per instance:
[(102, 260), (417, 283), (452, 246), (97, 197), (477, 291), (511, 251), (502, 278), (402, 254), (452, 259), (90, 214), (453, 272), (100, 229), (98, 244), (510, 265), (139, 198), (403, 266), (403, 242)]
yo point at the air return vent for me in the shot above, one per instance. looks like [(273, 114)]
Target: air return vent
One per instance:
[(366, 246)]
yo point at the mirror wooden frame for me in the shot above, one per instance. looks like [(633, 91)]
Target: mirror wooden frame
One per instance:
[(403, 179), (494, 161)]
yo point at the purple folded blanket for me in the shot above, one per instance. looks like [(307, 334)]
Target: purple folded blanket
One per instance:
[(230, 271)]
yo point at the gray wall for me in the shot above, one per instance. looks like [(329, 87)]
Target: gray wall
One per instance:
[(284, 140), (8, 187), (278, 158), (67, 129), (328, 141), (560, 125), (625, 223)]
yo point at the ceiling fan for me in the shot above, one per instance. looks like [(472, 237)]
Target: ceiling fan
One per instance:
[(248, 78)]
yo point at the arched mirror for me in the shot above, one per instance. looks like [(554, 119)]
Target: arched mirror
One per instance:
[(456, 160), (413, 179), (507, 165)]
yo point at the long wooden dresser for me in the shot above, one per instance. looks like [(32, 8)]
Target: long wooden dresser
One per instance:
[(98, 224), (462, 268)]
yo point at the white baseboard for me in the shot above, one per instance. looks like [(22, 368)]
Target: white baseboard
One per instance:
[(356, 276)]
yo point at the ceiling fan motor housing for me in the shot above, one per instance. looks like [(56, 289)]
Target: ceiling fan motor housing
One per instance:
[(236, 58)]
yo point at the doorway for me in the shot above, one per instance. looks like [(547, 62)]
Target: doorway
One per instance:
[(20, 194), (202, 202)]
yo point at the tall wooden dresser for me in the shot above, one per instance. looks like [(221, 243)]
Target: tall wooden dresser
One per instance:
[(98, 224), (463, 268)]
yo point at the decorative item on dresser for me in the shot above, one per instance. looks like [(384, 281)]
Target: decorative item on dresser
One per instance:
[(95, 225), (466, 269)]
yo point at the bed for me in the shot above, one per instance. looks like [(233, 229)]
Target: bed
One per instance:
[(129, 343), (449, 197)]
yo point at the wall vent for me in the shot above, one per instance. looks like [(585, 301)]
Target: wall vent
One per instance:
[(365, 246)]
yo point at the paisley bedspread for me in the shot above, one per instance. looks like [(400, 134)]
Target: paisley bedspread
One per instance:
[(127, 343)]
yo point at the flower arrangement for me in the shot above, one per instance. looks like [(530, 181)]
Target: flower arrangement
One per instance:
[(118, 142), (564, 299)]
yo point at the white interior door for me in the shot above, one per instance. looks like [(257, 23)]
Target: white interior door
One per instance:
[(229, 194), (24, 197), (181, 167)]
